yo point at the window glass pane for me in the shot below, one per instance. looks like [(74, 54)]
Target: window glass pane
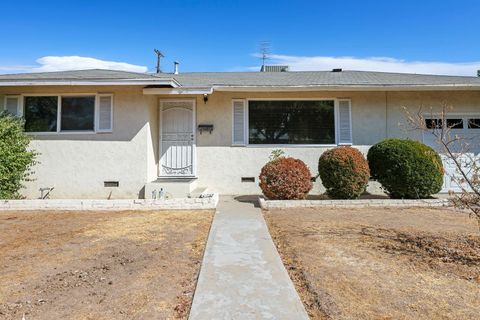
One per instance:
[(291, 122), (78, 113), (455, 123), (433, 123), (41, 114), (474, 123)]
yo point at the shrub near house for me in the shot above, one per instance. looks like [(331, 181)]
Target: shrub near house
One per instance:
[(16, 159), (406, 168), (285, 179), (344, 172)]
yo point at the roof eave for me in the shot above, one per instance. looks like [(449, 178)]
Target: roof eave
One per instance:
[(127, 82), (210, 90), (443, 87)]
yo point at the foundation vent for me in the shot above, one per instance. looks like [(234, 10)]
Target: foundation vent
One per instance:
[(248, 179), (110, 184)]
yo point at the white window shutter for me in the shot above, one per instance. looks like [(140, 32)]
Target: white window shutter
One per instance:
[(12, 105), (239, 122), (105, 113), (344, 121)]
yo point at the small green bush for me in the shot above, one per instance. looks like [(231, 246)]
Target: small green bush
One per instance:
[(285, 179), (344, 172), (406, 168), (16, 159)]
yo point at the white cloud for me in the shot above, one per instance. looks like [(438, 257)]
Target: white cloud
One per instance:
[(386, 64), (62, 63)]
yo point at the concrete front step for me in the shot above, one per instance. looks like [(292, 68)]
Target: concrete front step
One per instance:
[(198, 192), (174, 188)]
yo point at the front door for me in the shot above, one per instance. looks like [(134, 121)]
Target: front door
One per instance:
[(177, 138)]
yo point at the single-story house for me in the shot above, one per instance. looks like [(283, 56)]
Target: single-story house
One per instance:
[(115, 134)]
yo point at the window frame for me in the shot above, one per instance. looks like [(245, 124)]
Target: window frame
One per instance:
[(59, 112), (336, 123)]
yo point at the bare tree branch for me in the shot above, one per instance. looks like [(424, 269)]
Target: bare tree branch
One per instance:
[(457, 148)]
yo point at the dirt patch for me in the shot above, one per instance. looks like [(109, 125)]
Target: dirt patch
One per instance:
[(381, 263), (100, 265)]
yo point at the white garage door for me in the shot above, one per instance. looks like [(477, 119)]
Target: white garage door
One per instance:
[(467, 127)]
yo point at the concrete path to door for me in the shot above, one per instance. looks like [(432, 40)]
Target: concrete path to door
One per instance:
[(242, 275)]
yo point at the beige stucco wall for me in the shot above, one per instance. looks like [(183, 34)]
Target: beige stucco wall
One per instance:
[(427, 102), (375, 116), (76, 165), (221, 166)]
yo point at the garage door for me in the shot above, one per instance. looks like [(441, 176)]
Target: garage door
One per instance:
[(467, 127)]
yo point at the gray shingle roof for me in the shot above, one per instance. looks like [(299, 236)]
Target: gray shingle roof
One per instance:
[(318, 78), (209, 79), (92, 74)]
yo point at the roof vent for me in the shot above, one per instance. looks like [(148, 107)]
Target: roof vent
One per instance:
[(175, 67), (337, 70), (478, 73), (274, 69)]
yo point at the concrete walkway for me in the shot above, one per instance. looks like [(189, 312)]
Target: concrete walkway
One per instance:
[(242, 275)]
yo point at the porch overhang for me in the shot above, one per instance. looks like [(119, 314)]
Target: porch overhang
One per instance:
[(178, 91)]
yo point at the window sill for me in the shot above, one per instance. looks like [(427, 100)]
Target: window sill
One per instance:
[(62, 133), (291, 145)]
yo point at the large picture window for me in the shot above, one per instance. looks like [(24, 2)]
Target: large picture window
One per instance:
[(291, 122), (68, 113)]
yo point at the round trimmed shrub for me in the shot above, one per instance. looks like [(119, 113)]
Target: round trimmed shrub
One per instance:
[(285, 179), (406, 169), (344, 172)]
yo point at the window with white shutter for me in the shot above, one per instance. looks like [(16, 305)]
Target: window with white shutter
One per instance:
[(105, 113), (12, 105), (239, 122), (344, 121)]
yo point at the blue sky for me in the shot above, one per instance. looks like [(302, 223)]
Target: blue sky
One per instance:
[(406, 36)]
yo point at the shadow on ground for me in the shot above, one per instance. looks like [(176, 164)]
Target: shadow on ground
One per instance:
[(253, 199)]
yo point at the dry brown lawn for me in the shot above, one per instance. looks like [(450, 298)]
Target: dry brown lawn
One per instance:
[(381, 263), (100, 265)]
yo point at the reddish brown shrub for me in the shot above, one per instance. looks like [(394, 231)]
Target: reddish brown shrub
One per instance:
[(285, 179), (344, 172)]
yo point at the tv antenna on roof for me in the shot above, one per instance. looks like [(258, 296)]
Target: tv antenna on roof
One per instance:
[(265, 52), (159, 56)]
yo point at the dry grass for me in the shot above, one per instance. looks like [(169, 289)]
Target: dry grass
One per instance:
[(404, 263), (100, 265)]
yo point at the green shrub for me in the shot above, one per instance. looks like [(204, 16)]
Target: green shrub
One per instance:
[(285, 179), (16, 159), (344, 172), (406, 168)]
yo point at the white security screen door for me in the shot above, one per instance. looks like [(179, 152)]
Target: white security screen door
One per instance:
[(177, 138)]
